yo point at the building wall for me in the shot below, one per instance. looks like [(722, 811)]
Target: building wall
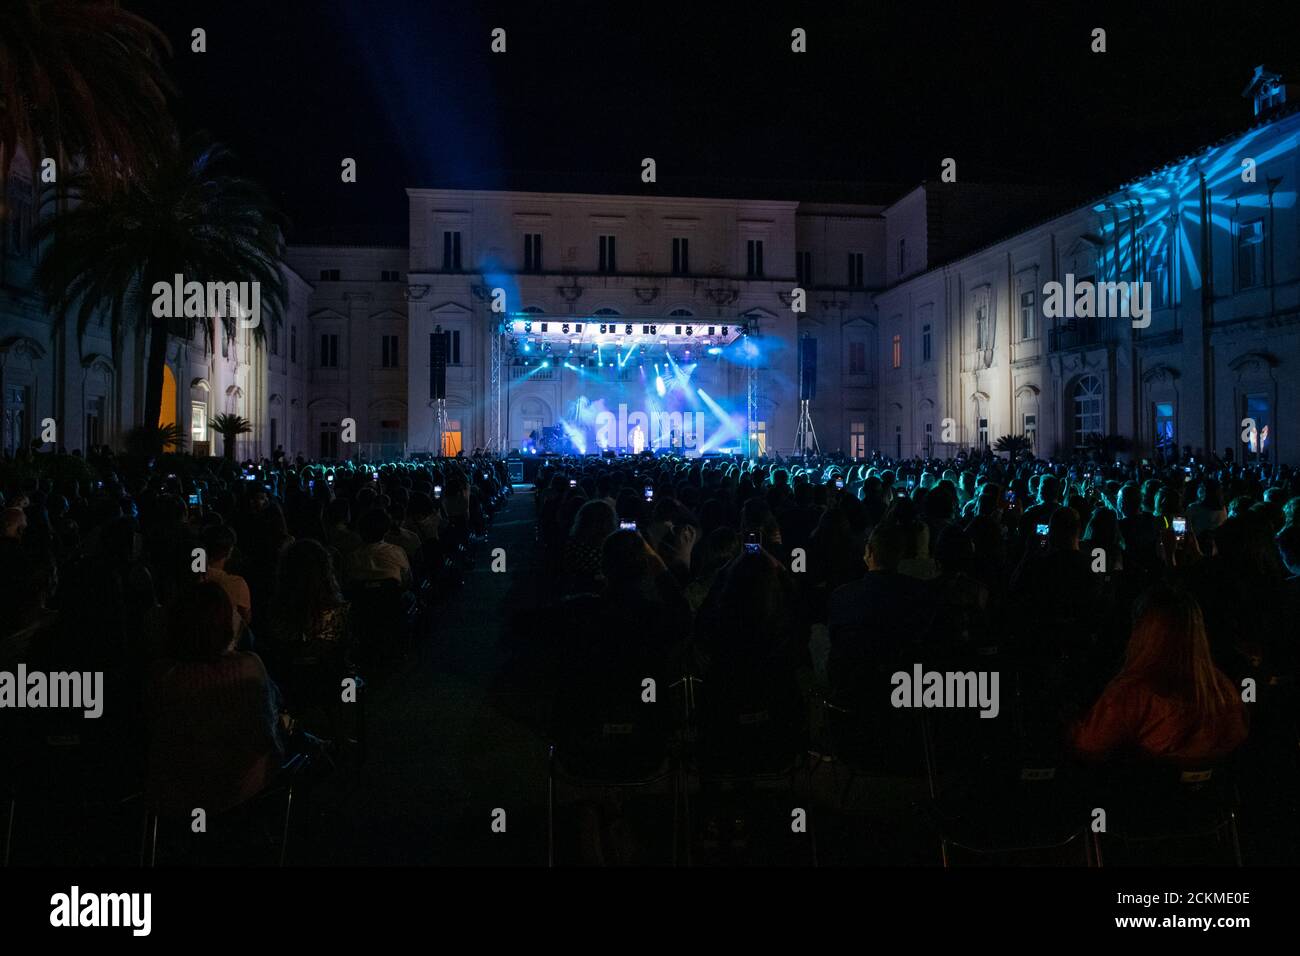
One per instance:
[(715, 288), (1216, 339), (902, 364)]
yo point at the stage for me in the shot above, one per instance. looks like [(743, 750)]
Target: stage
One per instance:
[(589, 387)]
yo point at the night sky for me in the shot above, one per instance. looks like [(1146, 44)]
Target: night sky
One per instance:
[(410, 90)]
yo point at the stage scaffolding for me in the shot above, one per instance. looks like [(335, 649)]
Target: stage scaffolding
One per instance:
[(751, 391), (496, 441)]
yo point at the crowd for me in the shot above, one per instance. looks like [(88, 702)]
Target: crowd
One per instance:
[(1128, 605), (225, 605)]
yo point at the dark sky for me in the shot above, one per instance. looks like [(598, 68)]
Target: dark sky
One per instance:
[(410, 89)]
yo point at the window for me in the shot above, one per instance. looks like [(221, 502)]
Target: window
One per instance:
[(855, 270), (94, 422), (225, 341), (925, 343), (389, 275), (898, 351), (754, 257), (275, 339), (902, 256), (1029, 428), (929, 439), (329, 350), (758, 439), (450, 344), (275, 434), (857, 440), (1028, 315), (1158, 270), (1087, 409), (803, 268), (388, 347), (982, 340), (1259, 409), (390, 434), (450, 251), (681, 257), (293, 344), (329, 275), (898, 442), (198, 421), (329, 439), (1165, 439), (982, 433), (1250, 260), (857, 358), (608, 254), (532, 252)]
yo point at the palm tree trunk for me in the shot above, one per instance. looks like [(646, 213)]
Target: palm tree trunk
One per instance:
[(154, 372), (6, 162)]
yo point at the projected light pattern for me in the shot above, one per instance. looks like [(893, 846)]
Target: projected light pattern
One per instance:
[(1153, 226)]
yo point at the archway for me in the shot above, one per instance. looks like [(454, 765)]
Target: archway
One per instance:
[(167, 410)]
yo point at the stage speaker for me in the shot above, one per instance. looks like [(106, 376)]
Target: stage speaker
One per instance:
[(438, 364), (808, 368)]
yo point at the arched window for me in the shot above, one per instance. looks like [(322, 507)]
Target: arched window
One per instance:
[(682, 313), (1087, 409), (606, 312)]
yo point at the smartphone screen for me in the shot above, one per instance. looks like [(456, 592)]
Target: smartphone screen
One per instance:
[(839, 483), (437, 491), (573, 482), (649, 492), (1180, 526), (627, 525), (194, 499), (1010, 497), (1041, 531)]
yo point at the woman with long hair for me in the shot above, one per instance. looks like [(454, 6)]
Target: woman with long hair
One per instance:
[(310, 617), (1170, 702), (214, 711)]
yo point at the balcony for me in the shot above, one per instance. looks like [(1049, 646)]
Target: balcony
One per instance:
[(517, 373), (1080, 333)]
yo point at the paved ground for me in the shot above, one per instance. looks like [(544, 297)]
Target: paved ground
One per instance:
[(457, 732), (450, 740)]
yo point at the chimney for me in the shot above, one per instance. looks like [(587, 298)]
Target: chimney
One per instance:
[(1267, 91)]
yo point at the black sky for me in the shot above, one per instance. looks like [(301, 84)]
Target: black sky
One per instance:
[(410, 89)]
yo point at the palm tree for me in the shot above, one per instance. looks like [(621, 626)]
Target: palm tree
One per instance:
[(83, 81), (187, 216), (1015, 446), (230, 427), (149, 441)]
